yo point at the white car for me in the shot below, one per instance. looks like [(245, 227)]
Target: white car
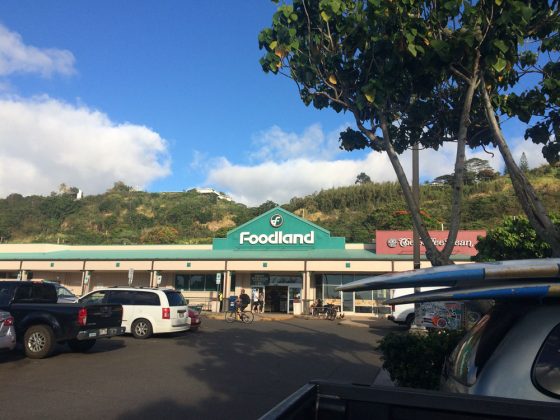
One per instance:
[(7, 331), (146, 311)]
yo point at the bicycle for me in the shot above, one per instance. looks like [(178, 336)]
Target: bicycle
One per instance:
[(328, 311), (245, 317)]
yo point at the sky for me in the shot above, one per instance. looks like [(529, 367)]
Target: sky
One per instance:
[(168, 96)]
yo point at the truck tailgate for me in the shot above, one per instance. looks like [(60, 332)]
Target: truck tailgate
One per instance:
[(104, 315)]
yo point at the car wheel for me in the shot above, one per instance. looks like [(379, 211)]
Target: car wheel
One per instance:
[(409, 320), (141, 328), (38, 341), (81, 346)]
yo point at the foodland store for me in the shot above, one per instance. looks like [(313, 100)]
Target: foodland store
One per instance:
[(290, 259)]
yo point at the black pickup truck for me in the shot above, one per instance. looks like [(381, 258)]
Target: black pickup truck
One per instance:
[(40, 322), (335, 401)]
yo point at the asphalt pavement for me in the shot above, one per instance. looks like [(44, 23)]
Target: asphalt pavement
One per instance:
[(224, 370)]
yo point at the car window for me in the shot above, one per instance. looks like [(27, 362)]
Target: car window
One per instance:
[(6, 293), (546, 369), (64, 292), (175, 298), (36, 292), (146, 298), (122, 297), (95, 297), (473, 351)]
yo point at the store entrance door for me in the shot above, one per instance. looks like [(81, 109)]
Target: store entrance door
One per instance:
[(276, 299)]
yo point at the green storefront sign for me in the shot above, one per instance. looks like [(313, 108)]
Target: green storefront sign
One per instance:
[(278, 229)]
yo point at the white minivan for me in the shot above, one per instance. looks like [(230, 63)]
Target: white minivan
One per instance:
[(146, 311)]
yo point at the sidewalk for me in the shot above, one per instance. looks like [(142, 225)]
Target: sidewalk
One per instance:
[(258, 317), (350, 321)]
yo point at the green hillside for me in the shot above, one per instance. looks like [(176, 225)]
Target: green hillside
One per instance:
[(123, 216)]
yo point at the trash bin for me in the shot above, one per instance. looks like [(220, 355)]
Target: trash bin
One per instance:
[(231, 303)]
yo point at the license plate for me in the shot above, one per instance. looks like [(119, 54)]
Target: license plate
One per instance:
[(181, 315), (103, 331)]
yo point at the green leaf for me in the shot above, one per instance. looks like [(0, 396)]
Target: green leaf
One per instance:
[(412, 49), (324, 16), (499, 65), (501, 45), (498, 2), (273, 45)]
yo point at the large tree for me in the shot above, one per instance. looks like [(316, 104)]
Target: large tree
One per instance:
[(424, 72), (361, 57)]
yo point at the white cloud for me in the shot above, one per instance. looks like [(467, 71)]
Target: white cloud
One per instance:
[(291, 165), (16, 57), (45, 142), (280, 181), (278, 145)]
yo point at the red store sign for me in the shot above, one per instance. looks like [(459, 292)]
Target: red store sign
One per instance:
[(399, 242)]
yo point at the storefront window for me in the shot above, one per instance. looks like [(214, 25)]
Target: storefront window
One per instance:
[(348, 278), (329, 292), (332, 279), (296, 280), (196, 282), (260, 279), (364, 302), (264, 279), (181, 282), (210, 282)]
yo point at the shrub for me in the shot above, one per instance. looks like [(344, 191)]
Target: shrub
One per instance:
[(416, 360)]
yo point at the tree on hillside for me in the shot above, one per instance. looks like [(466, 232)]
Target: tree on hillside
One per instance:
[(420, 72), (523, 163), (120, 187), (363, 178)]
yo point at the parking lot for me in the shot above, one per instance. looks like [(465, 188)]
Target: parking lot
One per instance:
[(233, 370)]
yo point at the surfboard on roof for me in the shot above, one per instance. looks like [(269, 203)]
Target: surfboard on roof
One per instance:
[(510, 291), (481, 275)]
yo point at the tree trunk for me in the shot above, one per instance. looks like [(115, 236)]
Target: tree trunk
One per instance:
[(459, 175), (432, 253), (526, 195)]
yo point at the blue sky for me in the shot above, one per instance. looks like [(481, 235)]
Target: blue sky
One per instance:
[(166, 96)]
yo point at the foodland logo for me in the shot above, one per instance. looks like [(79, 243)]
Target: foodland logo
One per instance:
[(276, 220), (277, 238)]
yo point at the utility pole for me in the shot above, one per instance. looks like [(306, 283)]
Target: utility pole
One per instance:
[(415, 237)]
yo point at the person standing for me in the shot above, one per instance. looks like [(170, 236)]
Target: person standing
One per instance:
[(261, 301), (255, 307)]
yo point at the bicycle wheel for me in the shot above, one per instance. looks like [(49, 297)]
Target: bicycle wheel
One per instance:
[(331, 315), (230, 316), (247, 317)]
